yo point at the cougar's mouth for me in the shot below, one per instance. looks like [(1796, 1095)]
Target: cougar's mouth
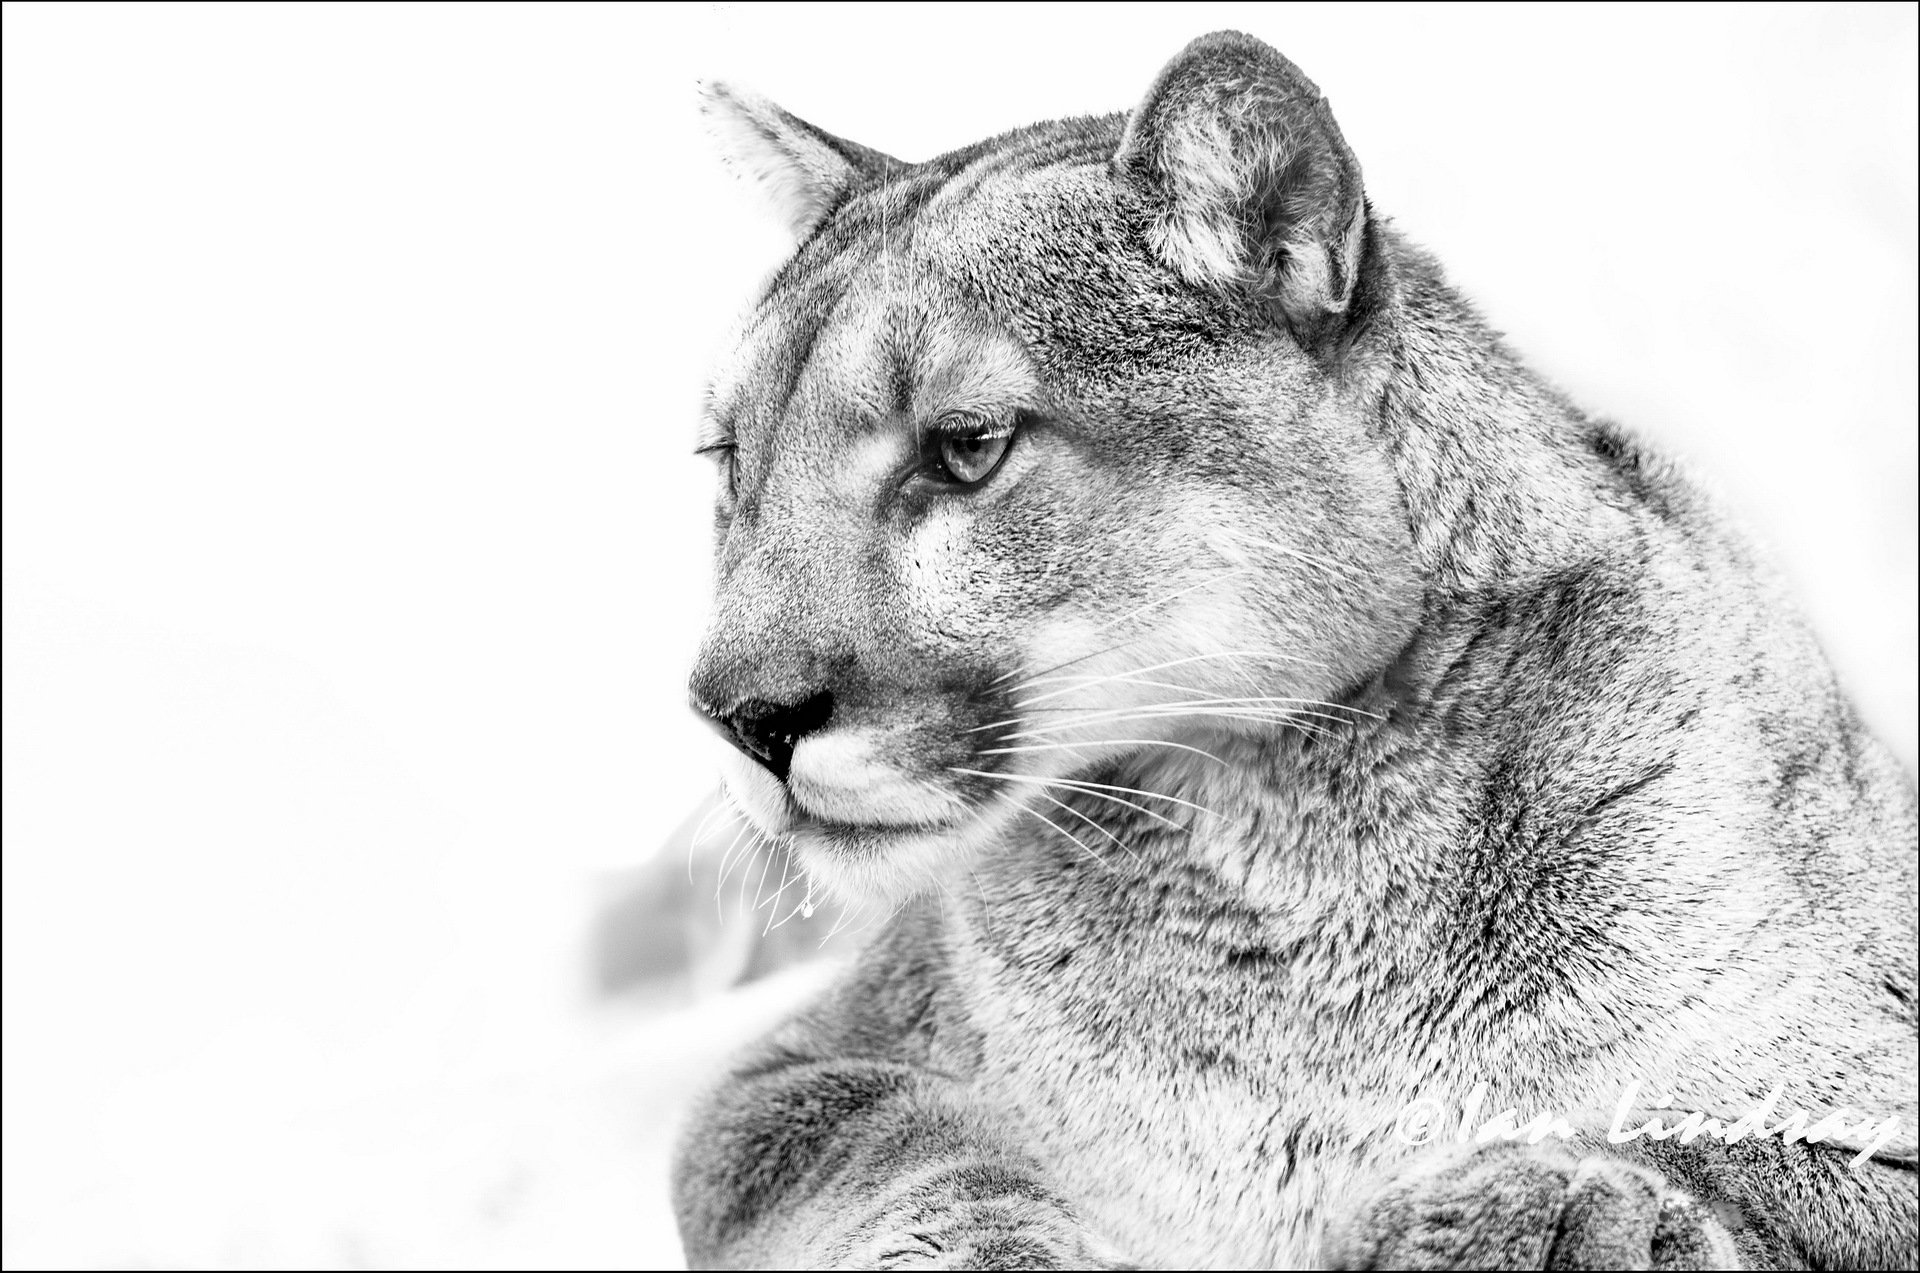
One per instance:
[(860, 825), (845, 778), (836, 789)]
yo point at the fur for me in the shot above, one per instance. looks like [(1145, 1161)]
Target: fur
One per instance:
[(1313, 714)]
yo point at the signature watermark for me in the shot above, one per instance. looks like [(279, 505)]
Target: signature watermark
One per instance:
[(1426, 1121)]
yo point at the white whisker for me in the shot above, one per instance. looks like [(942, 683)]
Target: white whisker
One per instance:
[(1231, 708), (1104, 864), (727, 863), (1133, 674), (1104, 742), (1004, 677), (759, 885), (853, 909), (1296, 722), (721, 808), (1129, 616), (1251, 700), (1125, 847), (1337, 568), (1229, 573), (773, 903), (1099, 789), (804, 905)]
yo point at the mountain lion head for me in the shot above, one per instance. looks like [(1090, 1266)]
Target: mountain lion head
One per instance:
[(1045, 462)]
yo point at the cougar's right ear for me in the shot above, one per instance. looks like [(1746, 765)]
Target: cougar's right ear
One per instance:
[(805, 171), (1252, 184)]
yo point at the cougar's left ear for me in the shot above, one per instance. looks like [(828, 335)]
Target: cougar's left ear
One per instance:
[(804, 170), (1252, 183)]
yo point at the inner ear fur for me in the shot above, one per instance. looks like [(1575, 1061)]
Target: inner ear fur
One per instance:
[(1253, 186), (805, 172)]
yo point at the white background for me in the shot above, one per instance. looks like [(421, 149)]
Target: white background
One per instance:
[(354, 553)]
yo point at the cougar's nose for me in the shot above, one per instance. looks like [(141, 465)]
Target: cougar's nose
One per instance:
[(769, 731)]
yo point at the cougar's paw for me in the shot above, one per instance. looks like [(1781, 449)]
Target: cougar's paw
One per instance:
[(1529, 1207), (1005, 1233), (988, 1251)]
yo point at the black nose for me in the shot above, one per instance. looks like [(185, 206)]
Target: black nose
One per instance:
[(770, 731)]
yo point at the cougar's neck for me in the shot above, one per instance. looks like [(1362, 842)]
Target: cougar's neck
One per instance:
[(1496, 468), (1356, 819), (1352, 824)]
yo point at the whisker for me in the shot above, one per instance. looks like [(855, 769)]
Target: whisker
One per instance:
[(803, 906), (946, 896), (854, 909), (758, 887), (1135, 676), (1269, 716), (1104, 864), (1134, 640), (1124, 674), (740, 900), (721, 807), (773, 903), (1228, 573), (1128, 617), (728, 862), (979, 889), (1134, 673), (1129, 676), (1339, 569), (1103, 792), (1099, 789), (1236, 709), (1104, 742), (750, 835), (1224, 575), (1078, 658), (726, 854), (1125, 847), (1282, 720), (1250, 700), (893, 914)]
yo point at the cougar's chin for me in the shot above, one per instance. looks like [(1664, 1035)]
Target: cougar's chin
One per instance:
[(843, 777), (886, 865), (864, 830)]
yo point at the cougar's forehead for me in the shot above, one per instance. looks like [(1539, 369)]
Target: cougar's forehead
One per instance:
[(865, 347), (979, 264)]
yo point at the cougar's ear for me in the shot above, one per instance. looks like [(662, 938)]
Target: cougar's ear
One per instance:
[(1251, 182), (806, 172)]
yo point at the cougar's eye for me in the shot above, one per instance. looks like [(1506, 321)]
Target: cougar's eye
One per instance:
[(970, 459), (721, 453), (967, 457)]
